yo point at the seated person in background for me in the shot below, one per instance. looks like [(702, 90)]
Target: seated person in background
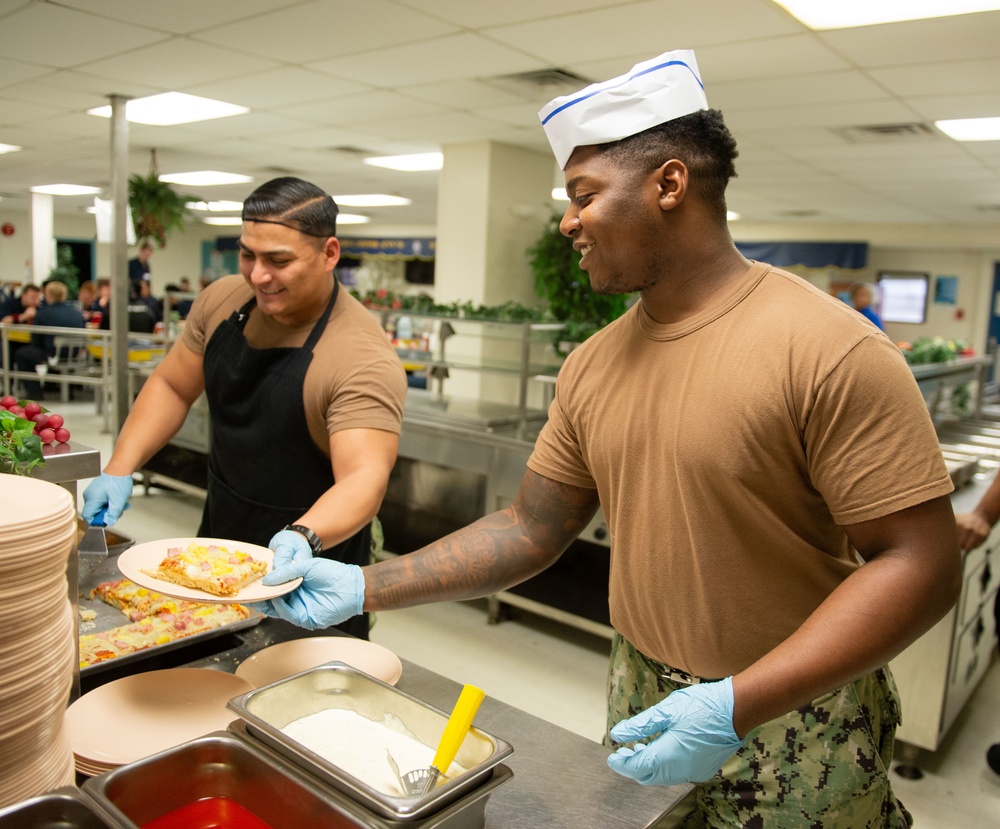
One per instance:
[(85, 298), (102, 303), (56, 312), (861, 299), (22, 308), (146, 298)]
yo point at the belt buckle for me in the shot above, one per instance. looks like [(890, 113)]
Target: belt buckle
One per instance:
[(680, 676)]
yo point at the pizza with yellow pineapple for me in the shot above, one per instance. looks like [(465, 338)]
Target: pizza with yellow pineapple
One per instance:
[(215, 569), (153, 620)]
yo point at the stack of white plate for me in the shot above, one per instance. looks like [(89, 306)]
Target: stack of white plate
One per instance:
[(37, 636), (142, 714)]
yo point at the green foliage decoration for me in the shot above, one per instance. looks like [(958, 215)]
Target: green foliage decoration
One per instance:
[(20, 448), (566, 288), (65, 270)]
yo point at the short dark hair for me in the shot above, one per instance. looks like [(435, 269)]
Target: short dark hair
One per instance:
[(293, 203), (701, 140)]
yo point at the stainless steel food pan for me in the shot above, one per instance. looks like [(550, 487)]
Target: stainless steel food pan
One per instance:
[(64, 808), (269, 709), (223, 764)]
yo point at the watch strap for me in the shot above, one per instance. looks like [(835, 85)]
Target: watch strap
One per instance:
[(314, 540)]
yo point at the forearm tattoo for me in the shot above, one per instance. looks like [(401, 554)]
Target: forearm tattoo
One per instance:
[(497, 551)]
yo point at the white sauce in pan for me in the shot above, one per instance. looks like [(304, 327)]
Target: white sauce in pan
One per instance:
[(358, 745)]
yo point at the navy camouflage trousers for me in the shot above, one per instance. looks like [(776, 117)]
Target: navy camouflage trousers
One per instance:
[(823, 766)]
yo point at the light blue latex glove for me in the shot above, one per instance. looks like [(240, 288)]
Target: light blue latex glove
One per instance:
[(697, 737), (107, 491), (331, 592), (291, 551)]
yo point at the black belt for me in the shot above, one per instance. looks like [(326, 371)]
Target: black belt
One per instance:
[(675, 674)]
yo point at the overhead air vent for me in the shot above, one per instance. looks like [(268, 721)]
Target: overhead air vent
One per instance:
[(799, 214), (884, 133), (539, 84), (349, 150)]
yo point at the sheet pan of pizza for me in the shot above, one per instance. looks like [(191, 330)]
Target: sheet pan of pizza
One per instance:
[(121, 622)]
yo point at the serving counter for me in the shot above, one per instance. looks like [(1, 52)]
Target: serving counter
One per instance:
[(560, 778)]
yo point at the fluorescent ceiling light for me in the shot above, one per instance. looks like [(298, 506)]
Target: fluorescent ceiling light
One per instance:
[(409, 163), (731, 216), (342, 219), (823, 14), (171, 108), (205, 178), (559, 194), (371, 200), (971, 129), (215, 206), (65, 190), (9, 148)]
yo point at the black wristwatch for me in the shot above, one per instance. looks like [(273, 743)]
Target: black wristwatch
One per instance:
[(310, 536)]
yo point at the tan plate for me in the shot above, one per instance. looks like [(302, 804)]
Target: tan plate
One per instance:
[(288, 658), (147, 556), (141, 714)]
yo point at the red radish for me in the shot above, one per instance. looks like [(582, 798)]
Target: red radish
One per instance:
[(62, 435), (47, 435)]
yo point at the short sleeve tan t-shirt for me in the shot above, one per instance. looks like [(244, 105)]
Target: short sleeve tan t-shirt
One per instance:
[(727, 451), (355, 379)]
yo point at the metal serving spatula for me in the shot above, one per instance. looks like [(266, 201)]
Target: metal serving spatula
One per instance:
[(94, 545)]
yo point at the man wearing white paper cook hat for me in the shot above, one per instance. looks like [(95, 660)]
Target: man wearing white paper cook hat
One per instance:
[(652, 93), (769, 474)]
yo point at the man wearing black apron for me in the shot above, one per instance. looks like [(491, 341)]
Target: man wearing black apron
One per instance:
[(251, 344)]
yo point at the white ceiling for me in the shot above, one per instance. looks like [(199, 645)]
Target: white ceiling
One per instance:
[(400, 76)]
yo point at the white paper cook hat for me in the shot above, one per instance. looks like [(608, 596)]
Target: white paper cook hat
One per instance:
[(652, 93)]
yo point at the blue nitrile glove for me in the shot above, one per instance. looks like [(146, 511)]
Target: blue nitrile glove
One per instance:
[(291, 550), (330, 593), (108, 491), (697, 737)]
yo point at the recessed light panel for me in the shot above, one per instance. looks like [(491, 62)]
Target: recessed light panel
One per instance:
[(352, 219), (222, 220), (371, 200), (171, 108), (215, 206), (205, 178), (971, 129), (409, 163), (843, 14), (65, 190), (9, 148)]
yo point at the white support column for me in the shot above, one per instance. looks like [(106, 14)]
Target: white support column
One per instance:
[(43, 248)]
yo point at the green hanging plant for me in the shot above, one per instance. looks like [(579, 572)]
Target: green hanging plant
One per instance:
[(65, 270), (157, 210), (566, 288)]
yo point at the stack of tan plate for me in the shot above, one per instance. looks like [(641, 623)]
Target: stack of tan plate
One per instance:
[(138, 715), (37, 636)]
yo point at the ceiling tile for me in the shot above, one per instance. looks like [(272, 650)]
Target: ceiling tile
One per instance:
[(790, 90), (316, 30), (438, 59), (179, 16), (176, 63), (480, 15), (368, 106), (54, 36), (277, 87)]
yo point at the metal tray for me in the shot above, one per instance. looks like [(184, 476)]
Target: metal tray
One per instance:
[(109, 617), (65, 808), (223, 764), (268, 709)]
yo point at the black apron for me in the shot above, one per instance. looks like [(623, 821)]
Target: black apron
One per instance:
[(264, 471)]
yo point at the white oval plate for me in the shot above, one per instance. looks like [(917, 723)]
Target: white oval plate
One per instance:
[(147, 556)]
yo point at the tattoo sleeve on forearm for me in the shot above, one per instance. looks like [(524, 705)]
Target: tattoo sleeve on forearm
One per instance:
[(496, 552)]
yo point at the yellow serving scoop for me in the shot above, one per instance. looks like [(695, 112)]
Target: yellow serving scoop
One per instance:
[(421, 781)]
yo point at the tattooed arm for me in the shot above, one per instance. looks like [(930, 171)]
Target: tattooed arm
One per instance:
[(497, 551)]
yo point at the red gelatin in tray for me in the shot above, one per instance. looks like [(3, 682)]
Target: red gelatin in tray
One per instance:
[(209, 813)]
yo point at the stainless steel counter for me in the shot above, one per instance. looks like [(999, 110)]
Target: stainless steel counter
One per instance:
[(561, 780)]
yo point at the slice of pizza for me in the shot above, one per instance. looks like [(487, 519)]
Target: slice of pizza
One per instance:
[(134, 601), (211, 568)]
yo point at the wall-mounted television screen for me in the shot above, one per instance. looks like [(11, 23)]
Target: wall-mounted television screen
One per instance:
[(903, 296)]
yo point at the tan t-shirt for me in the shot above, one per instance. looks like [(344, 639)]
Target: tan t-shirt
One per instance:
[(727, 449), (355, 379)]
